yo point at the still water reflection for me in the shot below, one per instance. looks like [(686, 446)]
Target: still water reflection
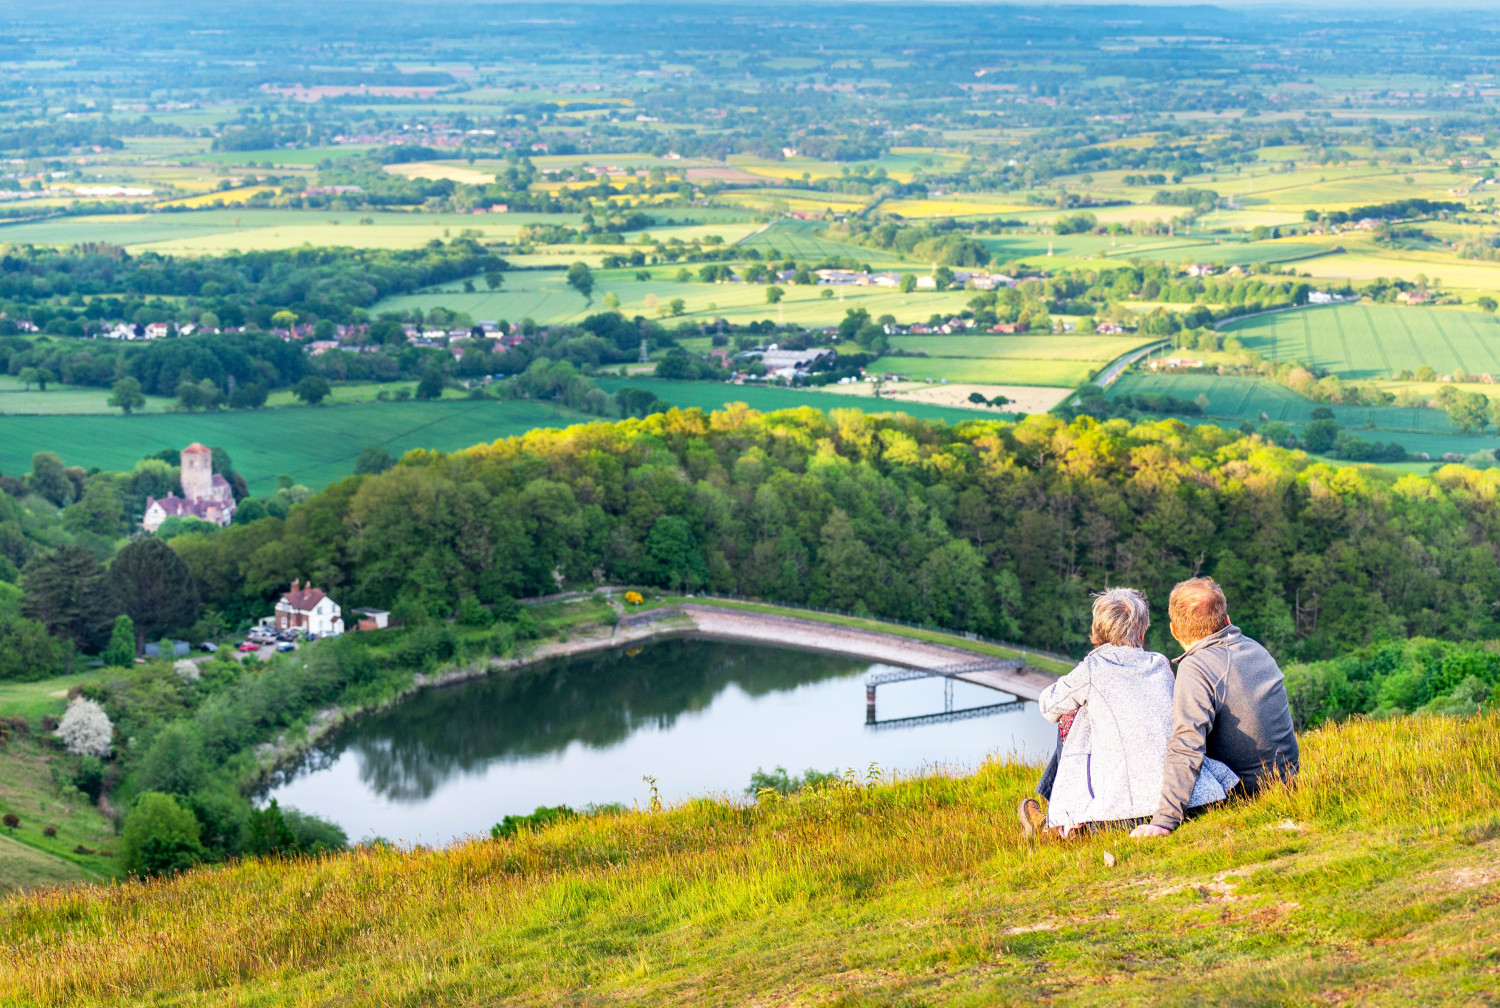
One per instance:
[(700, 716)]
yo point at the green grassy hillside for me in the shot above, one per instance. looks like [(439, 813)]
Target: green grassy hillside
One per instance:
[(1375, 878)]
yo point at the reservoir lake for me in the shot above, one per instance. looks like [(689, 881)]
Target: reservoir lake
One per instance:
[(699, 716)]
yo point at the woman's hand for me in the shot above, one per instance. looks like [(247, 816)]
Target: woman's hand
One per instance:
[(1148, 830)]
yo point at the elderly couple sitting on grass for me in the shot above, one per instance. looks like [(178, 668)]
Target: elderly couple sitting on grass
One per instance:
[(1137, 750)]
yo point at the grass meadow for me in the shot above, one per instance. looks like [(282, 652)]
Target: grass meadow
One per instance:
[(1374, 873), (1376, 341)]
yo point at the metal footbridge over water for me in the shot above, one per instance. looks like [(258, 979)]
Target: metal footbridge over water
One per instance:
[(1006, 675)]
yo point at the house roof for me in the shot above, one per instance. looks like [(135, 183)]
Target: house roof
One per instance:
[(172, 505), (303, 599), (196, 449)]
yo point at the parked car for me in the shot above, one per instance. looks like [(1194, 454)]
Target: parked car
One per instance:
[(209, 646), (249, 645), (286, 646)]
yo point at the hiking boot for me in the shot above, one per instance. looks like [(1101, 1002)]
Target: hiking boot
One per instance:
[(1033, 819)]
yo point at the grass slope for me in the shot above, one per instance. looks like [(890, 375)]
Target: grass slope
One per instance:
[(27, 856), (314, 446), (1375, 878)]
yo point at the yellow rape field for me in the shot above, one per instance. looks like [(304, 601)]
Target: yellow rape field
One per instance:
[(968, 207), (442, 170), (226, 197)]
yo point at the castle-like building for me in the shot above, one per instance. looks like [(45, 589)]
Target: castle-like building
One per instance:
[(205, 493)]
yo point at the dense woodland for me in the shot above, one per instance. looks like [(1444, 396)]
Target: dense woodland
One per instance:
[(998, 528), (48, 287)]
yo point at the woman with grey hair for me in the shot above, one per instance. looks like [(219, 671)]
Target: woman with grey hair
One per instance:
[(1114, 717)]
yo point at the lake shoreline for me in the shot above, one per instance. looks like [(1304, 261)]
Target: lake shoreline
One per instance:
[(686, 620)]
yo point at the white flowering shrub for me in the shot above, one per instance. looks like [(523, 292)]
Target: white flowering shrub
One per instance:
[(85, 729)]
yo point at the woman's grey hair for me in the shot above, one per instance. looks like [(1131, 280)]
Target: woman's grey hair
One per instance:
[(1121, 617)]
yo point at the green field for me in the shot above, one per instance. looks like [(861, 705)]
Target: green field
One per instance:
[(715, 395), (801, 240), (304, 157), (545, 297), (315, 446), (1064, 361), (213, 232), (1232, 399), (1238, 253), (1096, 349), (15, 400), (1375, 341), (318, 445)]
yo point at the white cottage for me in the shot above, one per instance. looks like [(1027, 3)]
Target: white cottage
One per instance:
[(307, 609)]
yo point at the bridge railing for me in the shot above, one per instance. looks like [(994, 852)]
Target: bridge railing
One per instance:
[(946, 671)]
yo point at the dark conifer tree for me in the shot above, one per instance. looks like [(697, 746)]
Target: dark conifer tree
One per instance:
[(67, 590)]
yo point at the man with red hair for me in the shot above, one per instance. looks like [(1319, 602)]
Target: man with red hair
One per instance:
[(1229, 703)]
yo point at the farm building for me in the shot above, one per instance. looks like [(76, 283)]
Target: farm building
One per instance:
[(787, 363), (308, 609), (1173, 363), (372, 619)]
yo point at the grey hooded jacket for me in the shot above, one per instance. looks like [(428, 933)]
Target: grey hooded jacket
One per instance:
[(1113, 758), (1230, 704)]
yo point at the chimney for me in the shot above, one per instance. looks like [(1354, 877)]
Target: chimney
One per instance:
[(296, 585)]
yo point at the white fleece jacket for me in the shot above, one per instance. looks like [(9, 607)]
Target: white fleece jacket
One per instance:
[(1113, 758)]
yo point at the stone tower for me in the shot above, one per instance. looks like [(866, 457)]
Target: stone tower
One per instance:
[(197, 472)]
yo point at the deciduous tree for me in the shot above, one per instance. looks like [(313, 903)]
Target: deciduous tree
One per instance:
[(159, 837), (126, 395)]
